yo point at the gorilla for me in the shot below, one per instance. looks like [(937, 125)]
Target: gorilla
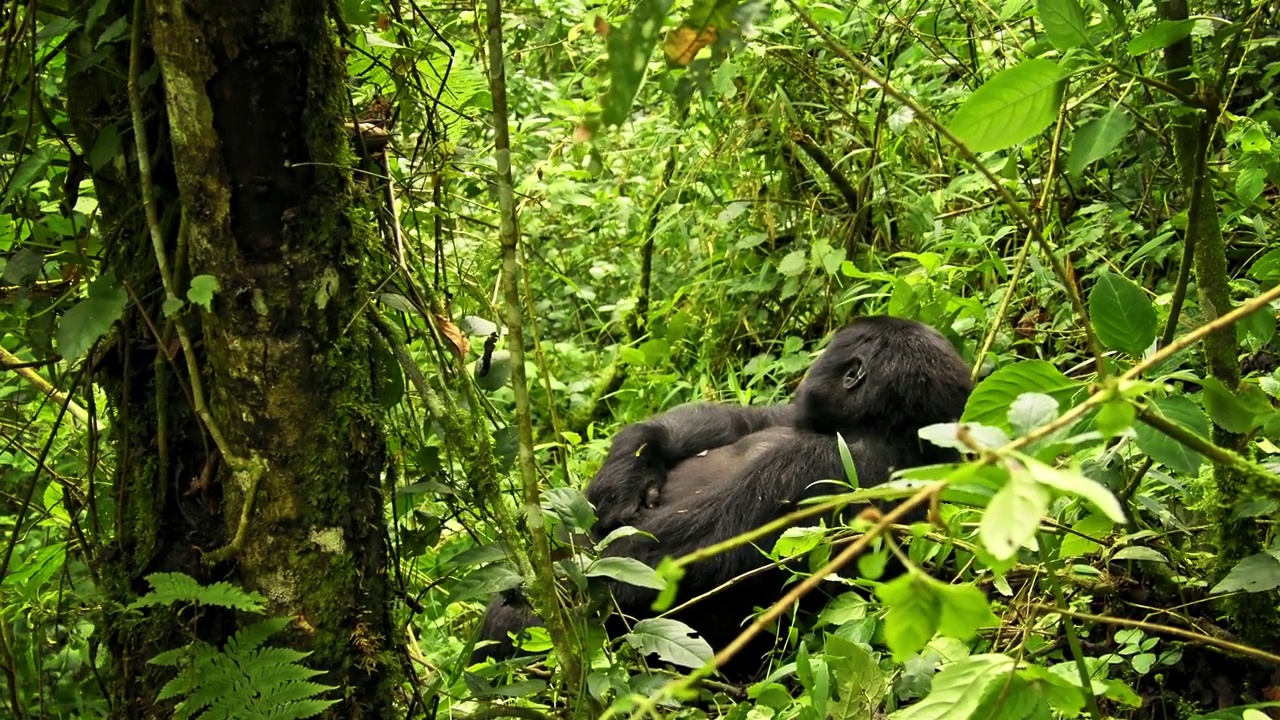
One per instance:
[(703, 473)]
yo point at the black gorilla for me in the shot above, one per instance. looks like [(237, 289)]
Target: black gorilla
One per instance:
[(703, 473)]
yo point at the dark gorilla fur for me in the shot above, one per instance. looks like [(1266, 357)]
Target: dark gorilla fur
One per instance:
[(703, 473)]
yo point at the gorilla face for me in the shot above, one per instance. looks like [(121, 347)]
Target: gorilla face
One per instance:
[(884, 374)]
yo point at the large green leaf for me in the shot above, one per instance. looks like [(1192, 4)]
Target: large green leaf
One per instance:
[(1164, 449), (991, 400), (629, 49), (1013, 515), (1122, 315), (1064, 23), (627, 570), (959, 688), (670, 640), (1011, 107), (1098, 137), (91, 318), (1256, 573), (914, 613), (1160, 36)]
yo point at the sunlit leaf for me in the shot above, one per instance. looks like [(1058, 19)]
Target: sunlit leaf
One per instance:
[(671, 641), (1012, 107), (1064, 22)]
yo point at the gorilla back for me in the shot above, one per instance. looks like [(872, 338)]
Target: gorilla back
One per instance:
[(878, 382)]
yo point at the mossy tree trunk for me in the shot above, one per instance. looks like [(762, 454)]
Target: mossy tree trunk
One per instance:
[(250, 184)]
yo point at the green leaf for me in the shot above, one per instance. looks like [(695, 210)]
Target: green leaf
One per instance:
[(105, 148), (1164, 449), (171, 306), (670, 640), (1160, 36), (629, 49), (947, 435), (1239, 413), (797, 541), (1031, 410), (965, 611), (1266, 269), (794, 263), (1140, 553), (861, 685), (959, 688), (846, 460), (1098, 137), (627, 570), (1122, 315), (23, 267), (991, 399), (88, 320), (1257, 573), (1114, 417), (28, 170), (203, 288), (1095, 525), (1013, 514), (1012, 107), (914, 613), (1064, 23), (570, 506), (1071, 481)]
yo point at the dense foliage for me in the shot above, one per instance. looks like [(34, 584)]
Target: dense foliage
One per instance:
[(1082, 195)]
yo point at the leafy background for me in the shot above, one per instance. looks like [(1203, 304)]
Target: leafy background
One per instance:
[(705, 191)]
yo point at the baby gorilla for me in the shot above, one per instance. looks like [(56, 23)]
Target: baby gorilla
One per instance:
[(702, 474)]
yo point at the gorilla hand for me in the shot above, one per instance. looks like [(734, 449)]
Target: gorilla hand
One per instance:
[(631, 477), (635, 470)]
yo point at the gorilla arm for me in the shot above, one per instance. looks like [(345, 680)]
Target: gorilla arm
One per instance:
[(789, 470), (635, 469)]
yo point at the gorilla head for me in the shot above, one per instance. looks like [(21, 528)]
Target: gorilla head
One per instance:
[(884, 375)]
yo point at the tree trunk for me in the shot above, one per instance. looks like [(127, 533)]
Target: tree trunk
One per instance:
[(250, 184)]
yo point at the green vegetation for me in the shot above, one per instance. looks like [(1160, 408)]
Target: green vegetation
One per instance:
[(315, 324)]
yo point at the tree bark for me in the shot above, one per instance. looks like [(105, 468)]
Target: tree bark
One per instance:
[(250, 184)]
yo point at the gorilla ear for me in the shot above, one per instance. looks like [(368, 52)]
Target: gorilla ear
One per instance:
[(856, 374)]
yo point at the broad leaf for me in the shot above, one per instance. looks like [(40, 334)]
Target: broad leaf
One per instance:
[(1014, 513), (990, 402), (1012, 107), (1256, 573), (1098, 137), (1031, 410), (88, 320), (1237, 413), (1071, 481), (202, 290), (671, 641), (1064, 23), (960, 688), (914, 613), (965, 611), (1122, 315), (1160, 36), (630, 47), (627, 570), (1164, 449)]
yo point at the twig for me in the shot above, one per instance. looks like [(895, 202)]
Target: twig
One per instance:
[(1164, 630)]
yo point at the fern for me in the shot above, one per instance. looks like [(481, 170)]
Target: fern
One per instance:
[(170, 588), (244, 680)]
